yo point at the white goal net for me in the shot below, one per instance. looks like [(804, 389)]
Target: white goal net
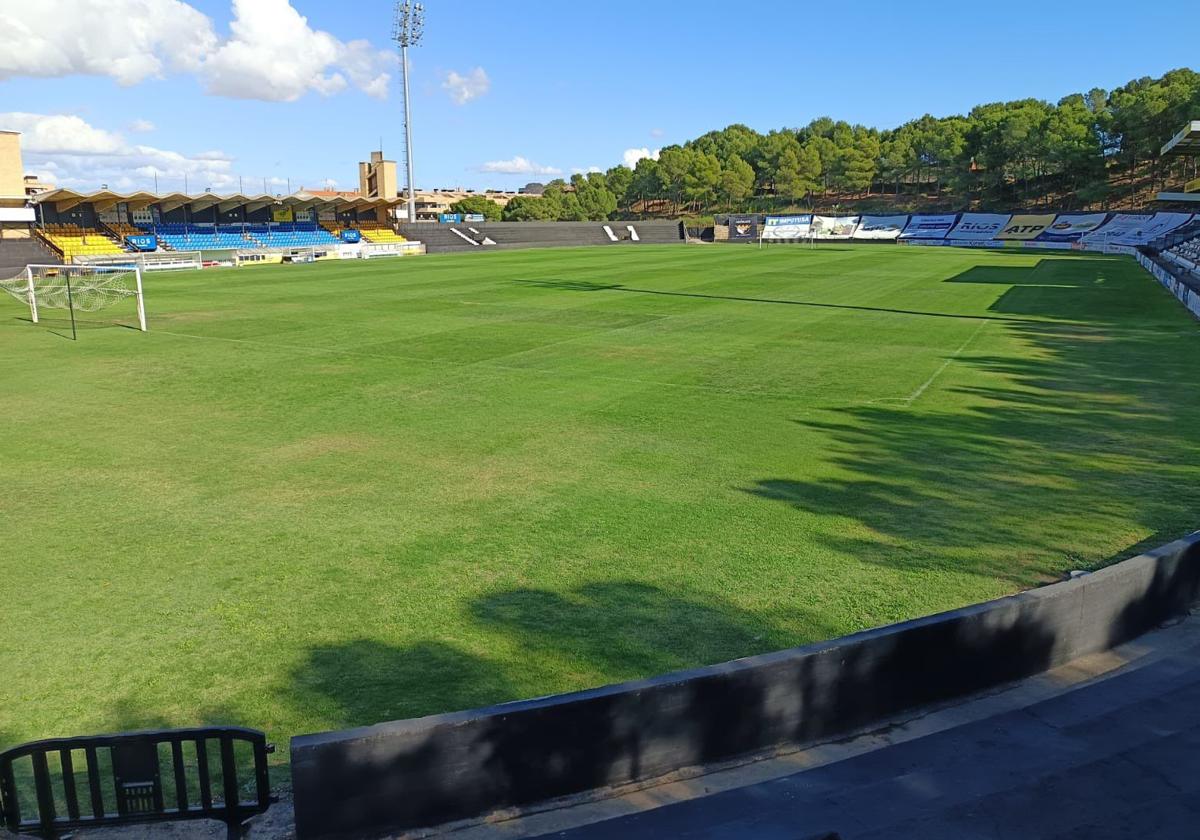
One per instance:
[(78, 288)]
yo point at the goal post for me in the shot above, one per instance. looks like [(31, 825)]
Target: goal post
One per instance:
[(78, 288)]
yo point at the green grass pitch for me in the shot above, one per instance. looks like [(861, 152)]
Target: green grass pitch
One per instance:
[(320, 496)]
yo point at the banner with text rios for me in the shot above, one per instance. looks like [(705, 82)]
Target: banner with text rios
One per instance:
[(979, 227), (1025, 226), (788, 227), (929, 227), (834, 227), (1071, 227), (880, 227)]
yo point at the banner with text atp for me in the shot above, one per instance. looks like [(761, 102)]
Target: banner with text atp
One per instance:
[(1025, 226), (788, 227), (880, 227)]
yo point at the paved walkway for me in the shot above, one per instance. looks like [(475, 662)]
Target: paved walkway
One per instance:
[(1117, 756)]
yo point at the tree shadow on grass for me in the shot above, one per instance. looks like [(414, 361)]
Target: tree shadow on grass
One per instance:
[(627, 629), (364, 681), (1086, 435), (600, 632)]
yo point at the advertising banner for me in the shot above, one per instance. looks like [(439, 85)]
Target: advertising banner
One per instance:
[(142, 242), (929, 227), (282, 214), (1159, 224), (305, 215), (475, 218), (834, 227), (1130, 230), (743, 227), (880, 227), (329, 215), (1118, 227), (1071, 227), (1048, 246), (788, 227), (350, 236), (979, 227), (450, 218), (1023, 227)]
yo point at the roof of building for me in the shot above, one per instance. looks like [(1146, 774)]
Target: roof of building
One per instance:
[(65, 199), (1186, 142)]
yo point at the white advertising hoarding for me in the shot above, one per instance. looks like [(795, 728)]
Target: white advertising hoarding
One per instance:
[(929, 227), (880, 227), (1071, 227), (979, 227), (788, 227), (834, 227), (1162, 223), (1118, 227)]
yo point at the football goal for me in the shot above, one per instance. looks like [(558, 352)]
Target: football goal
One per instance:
[(78, 288)]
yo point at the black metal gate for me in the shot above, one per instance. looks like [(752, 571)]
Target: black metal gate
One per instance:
[(135, 777)]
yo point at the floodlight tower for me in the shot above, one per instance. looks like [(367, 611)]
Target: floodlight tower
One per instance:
[(407, 29)]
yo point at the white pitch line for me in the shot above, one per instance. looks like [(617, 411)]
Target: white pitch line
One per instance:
[(916, 395)]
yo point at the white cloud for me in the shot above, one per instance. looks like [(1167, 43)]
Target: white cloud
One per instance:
[(588, 171), (367, 67), (128, 40), (463, 89), (72, 153), (60, 133), (518, 166), (632, 156), (656, 133), (142, 126), (275, 55), (272, 53)]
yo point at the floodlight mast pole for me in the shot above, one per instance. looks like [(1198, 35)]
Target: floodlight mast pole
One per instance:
[(407, 32)]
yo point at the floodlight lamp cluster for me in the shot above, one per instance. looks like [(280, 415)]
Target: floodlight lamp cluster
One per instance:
[(409, 24)]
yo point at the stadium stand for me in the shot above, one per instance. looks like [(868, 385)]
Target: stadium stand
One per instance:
[(183, 237), (373, 232), (16, 253), (73, 241), (1182, 249), (378, 233), (122, 230)]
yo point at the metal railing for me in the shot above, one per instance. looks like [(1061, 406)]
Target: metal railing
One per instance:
[(137, 777)]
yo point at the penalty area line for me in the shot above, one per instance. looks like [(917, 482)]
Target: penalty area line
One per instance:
[(917, 394)]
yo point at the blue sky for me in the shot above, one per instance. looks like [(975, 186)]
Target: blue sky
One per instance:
[(508, 93)]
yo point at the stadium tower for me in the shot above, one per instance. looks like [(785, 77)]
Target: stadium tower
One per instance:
[(407, 30)]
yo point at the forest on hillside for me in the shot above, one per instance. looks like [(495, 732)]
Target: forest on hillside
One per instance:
[(1097, 149)]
